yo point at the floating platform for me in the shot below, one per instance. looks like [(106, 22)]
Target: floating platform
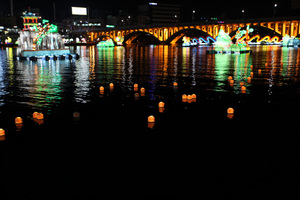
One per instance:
[(46, 54), (43, 52), (227, 52)]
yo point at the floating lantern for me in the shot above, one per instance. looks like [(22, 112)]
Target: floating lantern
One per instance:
[(230, 113), (111, 86), (101, 88), (251, 74), (161, 104), (251, 67), (243, 89), (40, 116), (151, 121), (151, 118), (229, 78), (230, 110), (184, 98), (142, 90), (231, 82), (241, 83), (194, 97), (135, 87), (18, 120), (2, 132), (175, 84), (259, 71), (249, 79), (34, 115), (189, 98)]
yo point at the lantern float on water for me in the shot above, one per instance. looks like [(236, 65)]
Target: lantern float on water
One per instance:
[(2, 132), (184, 98), (135, 87), (249, 79), (142, 92), (19, 123), (18, 120), (161, 107), (151, 121), (230, 113), (111, 86)]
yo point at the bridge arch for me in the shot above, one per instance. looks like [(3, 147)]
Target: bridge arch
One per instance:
[(191, 32), (141, 37)]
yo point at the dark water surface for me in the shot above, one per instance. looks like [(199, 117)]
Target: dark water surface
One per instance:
[(194, 149)]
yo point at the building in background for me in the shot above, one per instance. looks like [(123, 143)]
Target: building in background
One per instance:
[(159, 13)]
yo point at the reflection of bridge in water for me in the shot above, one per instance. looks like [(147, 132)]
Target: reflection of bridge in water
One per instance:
[(171, 34)]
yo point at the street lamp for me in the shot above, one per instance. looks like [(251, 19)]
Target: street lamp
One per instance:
[(243, 12), (274, 11), (193, 15)]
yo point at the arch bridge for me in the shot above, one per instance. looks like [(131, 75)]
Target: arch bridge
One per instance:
[(171, 34)]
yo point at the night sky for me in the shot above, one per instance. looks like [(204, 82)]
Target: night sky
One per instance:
[(221, 9)]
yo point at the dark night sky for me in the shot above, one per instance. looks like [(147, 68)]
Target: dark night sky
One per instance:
[(225, 9)]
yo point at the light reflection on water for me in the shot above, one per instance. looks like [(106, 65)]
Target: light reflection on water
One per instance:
[(45, 83)]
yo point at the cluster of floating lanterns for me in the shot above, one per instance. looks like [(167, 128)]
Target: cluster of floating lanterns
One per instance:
[(36, 116), (39, 117)]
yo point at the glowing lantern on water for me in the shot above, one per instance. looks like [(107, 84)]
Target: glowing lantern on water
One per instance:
[(243, 88), (189, 98), (135, 87), (161, 104), (230, 110), (40, 116), (231, 82), (2, 132), (151, 118), (229, 78), (230, 113), (34, 115), (249, 79), (175, 84), (241, 83), (259, 71), (111, 86), (142, 90), (18, 120), (151, 121), (194, 97), (184, 98), (101, 88), (251, 74)]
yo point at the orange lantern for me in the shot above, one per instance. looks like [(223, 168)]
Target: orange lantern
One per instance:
[(2, 132), (40, 116), (175, 84), (230, 110), (34, 115), (151, 118), (184, 98), (18, 120), (249, 79), (161, 104)]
